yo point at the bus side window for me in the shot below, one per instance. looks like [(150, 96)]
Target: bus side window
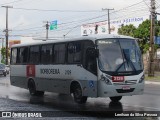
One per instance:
[(59, 53), (14, 56), (23, 54), (46, 54), (74, 52), (34, 54)]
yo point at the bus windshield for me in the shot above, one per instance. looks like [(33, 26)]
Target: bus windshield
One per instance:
[(119, 56)]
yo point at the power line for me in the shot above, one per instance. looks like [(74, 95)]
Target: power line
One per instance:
[(45, 10), (12, 2), (128, 6), (28, 29), (88, 19), (33, 9), (158, 5), (26, 2), (140, 10), (82, 20), (124, 9), (146, 4), (33, 28)]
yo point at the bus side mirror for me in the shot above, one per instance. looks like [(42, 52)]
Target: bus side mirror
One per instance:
[(92, 52)]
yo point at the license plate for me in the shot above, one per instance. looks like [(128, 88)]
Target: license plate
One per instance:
[(126, 87)]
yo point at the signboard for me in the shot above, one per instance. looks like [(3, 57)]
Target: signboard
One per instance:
[(157, 40), (53, 25), (102, 27)]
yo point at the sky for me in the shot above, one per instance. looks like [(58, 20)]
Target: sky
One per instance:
[(70, 15)]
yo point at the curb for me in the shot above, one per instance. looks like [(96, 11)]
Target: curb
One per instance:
[(151, 82)]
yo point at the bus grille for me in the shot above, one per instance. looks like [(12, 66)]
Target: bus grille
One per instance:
[(127, 82), (125, 91)]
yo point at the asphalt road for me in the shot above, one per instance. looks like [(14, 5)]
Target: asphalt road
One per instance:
[(18, 99)]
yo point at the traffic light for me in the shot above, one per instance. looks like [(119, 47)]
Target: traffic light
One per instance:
[(96, 29)]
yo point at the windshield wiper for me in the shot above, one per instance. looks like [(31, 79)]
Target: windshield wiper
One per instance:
[(128, 61)]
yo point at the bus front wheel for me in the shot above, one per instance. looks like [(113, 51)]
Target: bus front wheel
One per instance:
[(116, 98), (32, 89), (77, 94)]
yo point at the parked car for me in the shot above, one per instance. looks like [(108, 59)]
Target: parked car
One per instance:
[(3, 69)]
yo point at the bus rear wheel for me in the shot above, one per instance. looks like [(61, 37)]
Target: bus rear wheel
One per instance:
[(4, 74), (116, 98), (32, 89), (77, 94)]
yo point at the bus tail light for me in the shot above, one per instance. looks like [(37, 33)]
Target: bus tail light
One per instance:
[(117, 78)]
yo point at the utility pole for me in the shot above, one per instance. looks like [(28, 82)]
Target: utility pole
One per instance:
[(6, 30), (152, 34), (109, 30), (47, 28)]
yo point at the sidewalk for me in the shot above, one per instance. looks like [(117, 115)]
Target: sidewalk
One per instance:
[(153, 80)]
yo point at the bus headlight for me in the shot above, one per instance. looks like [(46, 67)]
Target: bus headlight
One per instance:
[(142, 79), (106, 80)]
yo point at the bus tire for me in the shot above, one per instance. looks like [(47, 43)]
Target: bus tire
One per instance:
[(40, 93), (4, 74), (116, 98), (77, 94), (32, 89)]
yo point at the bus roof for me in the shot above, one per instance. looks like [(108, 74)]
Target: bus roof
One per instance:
[(88, 37)]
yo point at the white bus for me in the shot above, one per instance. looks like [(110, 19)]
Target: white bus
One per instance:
[(97, 66)]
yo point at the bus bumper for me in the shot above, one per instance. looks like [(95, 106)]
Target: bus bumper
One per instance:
[(120, 90)]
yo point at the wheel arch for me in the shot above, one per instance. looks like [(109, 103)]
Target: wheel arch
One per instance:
[(72, 85), (29, 79)]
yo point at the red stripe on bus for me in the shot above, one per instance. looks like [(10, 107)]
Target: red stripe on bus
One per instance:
[(30, 70)]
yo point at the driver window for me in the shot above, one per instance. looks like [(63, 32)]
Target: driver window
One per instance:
[(89, 62)]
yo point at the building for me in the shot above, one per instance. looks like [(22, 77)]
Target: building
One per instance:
[(12, 42)]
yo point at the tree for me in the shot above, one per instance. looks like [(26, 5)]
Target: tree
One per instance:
[(142, 33), (127, 30), (3, 53)]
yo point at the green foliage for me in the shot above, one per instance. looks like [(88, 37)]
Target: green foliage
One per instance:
[(142, 33), (143, 30), (127, 30), (3, 53), (157, 28)]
